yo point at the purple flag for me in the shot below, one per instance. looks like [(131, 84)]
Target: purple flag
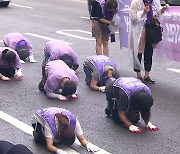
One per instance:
[(169, 46), (123, 7)]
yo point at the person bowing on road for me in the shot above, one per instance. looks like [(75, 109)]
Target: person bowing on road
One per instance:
[(58, 49), (10, 64), (57, 125), (99, 69), (126, 98), (21, 45), (58, 81)]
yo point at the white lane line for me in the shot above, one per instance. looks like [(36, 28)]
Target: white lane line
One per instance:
[(78, 1), (27, 7), (174, 70), (66, 33), (43, 37), (29, 130), (15, 122), (85, 18)]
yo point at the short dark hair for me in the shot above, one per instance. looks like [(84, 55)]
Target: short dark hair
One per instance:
[(69, 88), (23, 52), (9, 57), (111, 4), (67, 136), (141, 101)]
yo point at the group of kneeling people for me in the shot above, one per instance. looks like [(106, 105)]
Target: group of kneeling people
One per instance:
[(127, 97)]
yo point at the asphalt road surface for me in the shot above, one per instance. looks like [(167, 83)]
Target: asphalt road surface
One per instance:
[(43, 20)]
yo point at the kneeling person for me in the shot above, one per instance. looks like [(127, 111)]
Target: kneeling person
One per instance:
[(58, 49), (98, 70), (57, 125), (21, 45), (58, 81), (127, 97)]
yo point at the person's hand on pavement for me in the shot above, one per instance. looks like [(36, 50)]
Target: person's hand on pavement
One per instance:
[(4, 78), (102, 89), (91, 148), (74, 96), (135, 129), (62, 98), (151, 127)]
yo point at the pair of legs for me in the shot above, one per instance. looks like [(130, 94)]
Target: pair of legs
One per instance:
[(148, 53), (38, 134), (66, 58), (112, 111), (87, 72), (101, 33), (8, 72)]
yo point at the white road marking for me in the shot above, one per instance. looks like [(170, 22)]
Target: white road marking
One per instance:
[(29, 130), (174, 70), (85, 18), (78, 1), (66, 32), (43, 37), (27, 7), (15, 122)]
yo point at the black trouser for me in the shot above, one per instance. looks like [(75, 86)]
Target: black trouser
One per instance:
[(40, 138), (8, 72), (44, 78), (148, 53), (88, 74), (112, 96)]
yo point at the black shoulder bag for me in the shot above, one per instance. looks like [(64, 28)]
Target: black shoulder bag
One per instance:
[(154, 31)]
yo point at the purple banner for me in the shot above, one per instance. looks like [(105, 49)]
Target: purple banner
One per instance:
[(169, 47), (123, 7)]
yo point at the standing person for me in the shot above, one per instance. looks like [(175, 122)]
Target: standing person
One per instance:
[(58, 81), (102, 14), (141, 13), (99, 71), (127, 97), (9, 148), (59, 126), (10, 64), (21, 45), (58, 49)]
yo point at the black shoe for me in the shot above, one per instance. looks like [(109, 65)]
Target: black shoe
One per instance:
[(148, 80), (142, 80), (108, 112), (41, 87)]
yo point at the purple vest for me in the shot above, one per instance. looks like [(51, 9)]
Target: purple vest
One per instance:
[(131, 85), (48, 115), (99, 61)]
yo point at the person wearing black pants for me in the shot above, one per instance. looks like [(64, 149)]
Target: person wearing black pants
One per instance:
[(148, 53)]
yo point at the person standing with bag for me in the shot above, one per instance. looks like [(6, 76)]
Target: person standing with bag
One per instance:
[(141, 13)]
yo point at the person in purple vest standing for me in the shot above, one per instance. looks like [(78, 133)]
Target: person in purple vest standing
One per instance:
[(58, 49), (126, 98), (57, 125), (58, 81), (102, 14), (21, 45), (99, 69), (10, 65)]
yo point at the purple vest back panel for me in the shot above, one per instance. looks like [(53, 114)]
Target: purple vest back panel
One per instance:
[(131, 85), (48, 115), (99, 61)]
